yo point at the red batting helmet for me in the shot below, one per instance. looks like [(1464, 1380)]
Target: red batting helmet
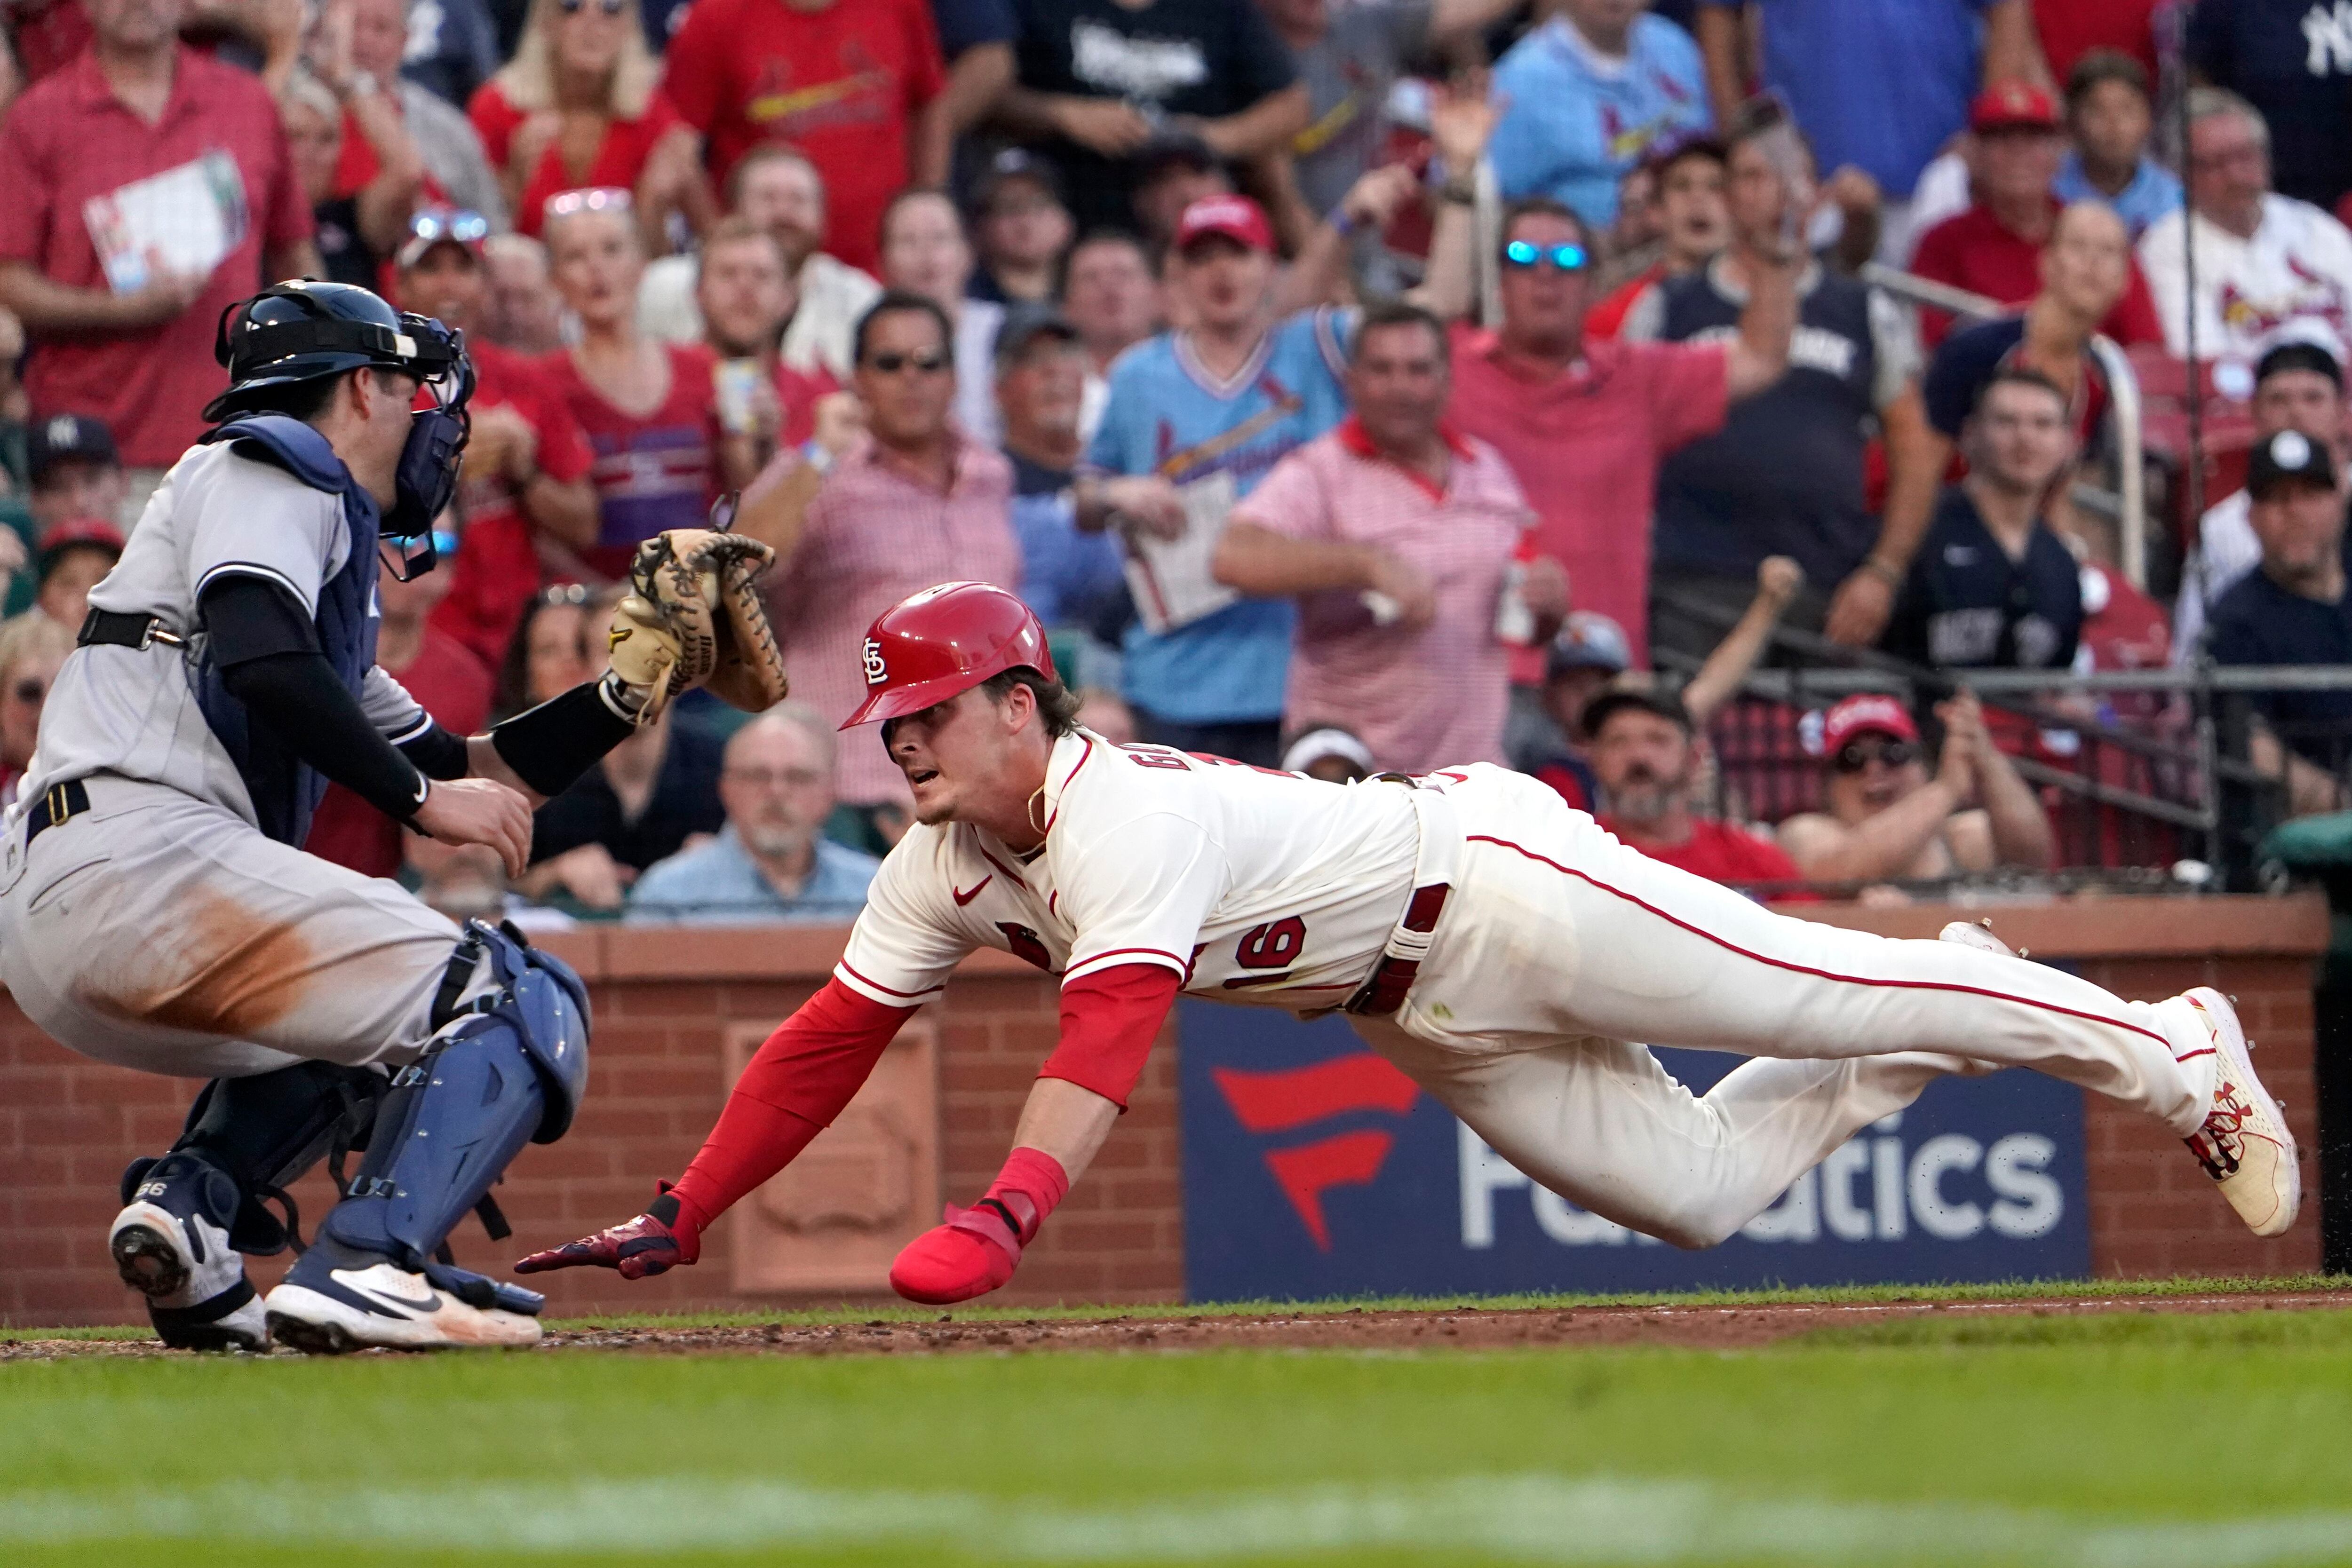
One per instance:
[(942, 641)]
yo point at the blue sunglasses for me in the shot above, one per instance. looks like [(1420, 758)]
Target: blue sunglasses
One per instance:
[(1524, 253)]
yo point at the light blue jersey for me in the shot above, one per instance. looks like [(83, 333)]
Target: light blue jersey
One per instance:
[(1168, 415), (1576, 121)]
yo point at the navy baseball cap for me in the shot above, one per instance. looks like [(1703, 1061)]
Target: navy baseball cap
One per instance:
[(68, 438), (2289, 457), (1023, 324), (1010, 164)]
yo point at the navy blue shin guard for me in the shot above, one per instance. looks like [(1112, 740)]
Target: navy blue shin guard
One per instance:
[(510, 1072)]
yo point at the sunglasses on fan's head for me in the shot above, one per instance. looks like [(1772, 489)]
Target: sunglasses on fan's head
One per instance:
[(594, 199), (1524, 254)]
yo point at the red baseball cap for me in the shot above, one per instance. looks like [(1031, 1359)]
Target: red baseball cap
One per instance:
[(1237, 219), (75, 533), (941, 642), (2013, 105), (1865, 713)]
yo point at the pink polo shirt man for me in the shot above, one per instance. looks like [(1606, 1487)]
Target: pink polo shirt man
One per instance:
[(1586, 445), (1421, 699), (69, 141), (875, 533)]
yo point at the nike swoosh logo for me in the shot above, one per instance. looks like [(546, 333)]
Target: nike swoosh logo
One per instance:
[(425, 1303), (963, 898)]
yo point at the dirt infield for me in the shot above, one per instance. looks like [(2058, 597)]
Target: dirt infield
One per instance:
[(1706, 1327)]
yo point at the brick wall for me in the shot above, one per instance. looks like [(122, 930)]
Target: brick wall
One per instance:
[(663, 1002)]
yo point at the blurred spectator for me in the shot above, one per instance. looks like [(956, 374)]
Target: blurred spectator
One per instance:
[(1785, 474), (1879, 84), (2109, 115), (468, 881), (1349, 55), (1648, 758), (1886, 820), (772, 862), (1992, 586), (1112, 297), (1994, 248), (357, 54), (1397, 538), (130, 345), (447, 678), (744, 294), (1096, 79), (354, 233), (45, 35), (1590, 652), (1329, 754), (919, 503), (780, 190), (74, 558), (1584, 423), (976, 38), (853, 86), (924, 252), (1586, 94), (2292, 609), (2291, 59), (1072, 578), (1170, 172), (580, 106), (1021, 228), (2298, 386), (1196, 418), (525, 502), (75, 471), (33, 648), (453, 46), (2264, 259), (523, 314), (647, 406), (1687, 179), (2070, 29), (550, 653)]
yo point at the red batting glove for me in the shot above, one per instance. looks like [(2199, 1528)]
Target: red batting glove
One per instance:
[(653, 1243), (978, 1248)]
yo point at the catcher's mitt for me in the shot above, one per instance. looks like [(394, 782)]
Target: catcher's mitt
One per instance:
[(694, 618)]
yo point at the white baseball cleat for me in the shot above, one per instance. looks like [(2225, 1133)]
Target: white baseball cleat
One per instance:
[(1976, 936), (2245, 1144), (325, 1310), (167, 1248)]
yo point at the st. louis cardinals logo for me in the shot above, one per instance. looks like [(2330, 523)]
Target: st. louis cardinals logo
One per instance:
[(875, 671)]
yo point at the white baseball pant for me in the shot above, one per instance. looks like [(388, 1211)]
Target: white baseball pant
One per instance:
[(160, 932), (1558, 946)]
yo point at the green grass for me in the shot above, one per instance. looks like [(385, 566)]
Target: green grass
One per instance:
[(2137, 1438)]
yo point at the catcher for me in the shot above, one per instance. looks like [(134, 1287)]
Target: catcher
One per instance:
[(156, 908)]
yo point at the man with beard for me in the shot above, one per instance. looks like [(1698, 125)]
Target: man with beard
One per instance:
[(1647, 757)]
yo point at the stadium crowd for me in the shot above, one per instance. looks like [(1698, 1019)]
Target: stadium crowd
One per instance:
[(1351, 385)]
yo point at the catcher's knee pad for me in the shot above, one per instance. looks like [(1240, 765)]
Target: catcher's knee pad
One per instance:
[(509, 1069), (260, 1133)]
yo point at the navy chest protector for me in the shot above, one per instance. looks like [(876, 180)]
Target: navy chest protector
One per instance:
[(286, 790)]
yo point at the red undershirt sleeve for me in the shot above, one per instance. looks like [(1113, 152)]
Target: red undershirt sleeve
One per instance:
[(797, 1083), (1110, 1020)]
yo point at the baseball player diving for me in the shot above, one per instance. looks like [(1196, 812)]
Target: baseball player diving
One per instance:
[(1498, 947), (157, 911)]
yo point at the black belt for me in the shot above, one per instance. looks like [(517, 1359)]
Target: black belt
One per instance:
[(59, 803), (123, 629)]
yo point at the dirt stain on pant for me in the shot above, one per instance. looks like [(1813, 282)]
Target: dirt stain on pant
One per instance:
[(220, 969)]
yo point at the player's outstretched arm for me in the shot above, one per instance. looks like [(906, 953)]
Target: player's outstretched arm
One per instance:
[(795, 1084), (1110, 1020)]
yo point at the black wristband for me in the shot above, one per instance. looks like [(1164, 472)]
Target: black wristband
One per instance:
[(436, 753), (550, 746)]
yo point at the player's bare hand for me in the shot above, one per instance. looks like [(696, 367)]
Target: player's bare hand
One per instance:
[(1778, 579), (1408, 588), (1148, 502), (1105, 125), (480, 811), (1860, 609), (636, 1249)]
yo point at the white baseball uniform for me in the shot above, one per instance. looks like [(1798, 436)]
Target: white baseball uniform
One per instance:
[(1555, 948), (162, 929)]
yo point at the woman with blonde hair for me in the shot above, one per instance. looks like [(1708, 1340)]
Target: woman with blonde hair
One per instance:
[(580, 106), (33, 649)]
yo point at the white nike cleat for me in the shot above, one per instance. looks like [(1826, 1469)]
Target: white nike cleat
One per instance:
[(1979, 937), (324, 1310), (2244, 1144), (167, 1248)]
